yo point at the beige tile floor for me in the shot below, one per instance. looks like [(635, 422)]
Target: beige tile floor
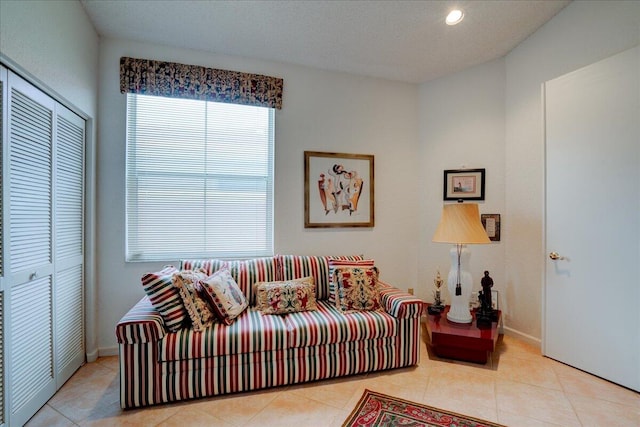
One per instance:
[(517, 387)]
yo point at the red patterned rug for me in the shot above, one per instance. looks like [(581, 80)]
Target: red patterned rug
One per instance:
[(380, 410)]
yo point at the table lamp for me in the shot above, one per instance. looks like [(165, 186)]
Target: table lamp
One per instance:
[(460, 224)]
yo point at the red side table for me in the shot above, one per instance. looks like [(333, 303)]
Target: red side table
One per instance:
[(462, 341)]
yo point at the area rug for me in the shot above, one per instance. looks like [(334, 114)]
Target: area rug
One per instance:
[(379, 410)]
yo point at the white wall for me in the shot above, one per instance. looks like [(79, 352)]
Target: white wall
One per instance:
[(582, 33), (491, 116), (461, 125), (53, 44), (56, 43), (415, 134), (323, 111)]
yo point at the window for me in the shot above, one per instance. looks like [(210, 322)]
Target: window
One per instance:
[(199, 179)]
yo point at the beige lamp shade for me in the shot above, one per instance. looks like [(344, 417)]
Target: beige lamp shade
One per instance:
[(460, 224)]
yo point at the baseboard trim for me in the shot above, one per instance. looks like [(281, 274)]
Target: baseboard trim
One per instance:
[(537, 342), (107, 351), (92, 356)]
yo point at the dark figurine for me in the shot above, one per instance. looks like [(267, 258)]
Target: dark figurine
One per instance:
[(486, 314), (487, 284)]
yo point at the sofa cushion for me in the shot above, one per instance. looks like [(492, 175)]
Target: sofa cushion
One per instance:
[(357, 289), (297, 266), (251, 332), (245, 272), (328, 325), (165, 297), (286, 296), (198, 309)]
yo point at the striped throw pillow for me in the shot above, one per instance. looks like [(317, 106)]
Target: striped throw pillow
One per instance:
[(165, 297)]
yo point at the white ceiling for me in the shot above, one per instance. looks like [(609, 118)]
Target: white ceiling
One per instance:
[(399, 40)]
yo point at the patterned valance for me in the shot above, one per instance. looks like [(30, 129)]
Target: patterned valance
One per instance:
[(161, 78)]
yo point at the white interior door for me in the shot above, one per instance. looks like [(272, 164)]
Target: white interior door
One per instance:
[(592, 291)]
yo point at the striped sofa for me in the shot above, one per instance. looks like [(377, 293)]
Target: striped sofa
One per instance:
[(259, 351)]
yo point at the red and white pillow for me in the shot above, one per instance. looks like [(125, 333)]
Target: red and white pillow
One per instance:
[(223, 295)]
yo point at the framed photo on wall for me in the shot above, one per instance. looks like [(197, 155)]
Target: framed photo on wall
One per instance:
[(465, 184), (338, 190), (491, 224)]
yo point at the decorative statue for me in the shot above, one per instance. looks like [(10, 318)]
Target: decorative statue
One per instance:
[(487, 284), (486, 314), (437, 307)]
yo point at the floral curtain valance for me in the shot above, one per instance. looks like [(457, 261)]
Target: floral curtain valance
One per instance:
[(161, 78)]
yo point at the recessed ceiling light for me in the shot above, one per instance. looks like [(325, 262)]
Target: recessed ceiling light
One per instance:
[(454, 17)]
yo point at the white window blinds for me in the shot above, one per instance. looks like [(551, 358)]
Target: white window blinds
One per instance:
[(199, 179)]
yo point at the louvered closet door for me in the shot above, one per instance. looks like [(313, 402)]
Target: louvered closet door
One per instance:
[(43, 259), (3, 138), (68, 243), (29, 278)]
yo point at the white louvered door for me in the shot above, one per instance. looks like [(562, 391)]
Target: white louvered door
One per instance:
[(43, 317), (68, 243), (3, 139), (30, 257)]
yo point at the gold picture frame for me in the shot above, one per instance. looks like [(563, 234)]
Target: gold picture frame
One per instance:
[(338, 190)]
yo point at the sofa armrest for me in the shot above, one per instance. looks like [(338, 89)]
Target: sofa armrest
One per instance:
[(142, 324), (398, 303)]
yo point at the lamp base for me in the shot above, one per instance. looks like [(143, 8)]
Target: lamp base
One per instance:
[(459, 313), (459, 284)]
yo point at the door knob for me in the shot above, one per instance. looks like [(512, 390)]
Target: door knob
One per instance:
[(555, 256)]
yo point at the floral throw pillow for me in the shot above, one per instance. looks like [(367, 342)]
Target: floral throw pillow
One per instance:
[(288, 296), (335, 263), (199, 312), (357, 289), (224, 295)]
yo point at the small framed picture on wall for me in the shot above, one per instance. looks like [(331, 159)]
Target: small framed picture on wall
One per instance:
[(491, 224), (464, 184)]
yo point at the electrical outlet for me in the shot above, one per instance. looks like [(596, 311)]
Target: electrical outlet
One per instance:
[(410, 290)]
